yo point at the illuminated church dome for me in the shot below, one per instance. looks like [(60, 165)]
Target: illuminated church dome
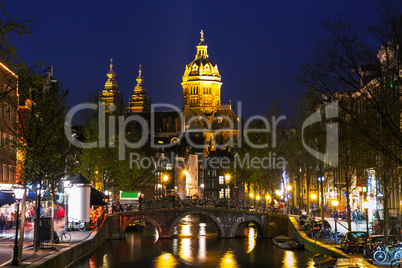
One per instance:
[(202, 82)]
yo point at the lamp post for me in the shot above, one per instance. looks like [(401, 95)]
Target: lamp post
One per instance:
[(335, 204), (313, 197), (288, 188), (165, 179), (366, 206), (202, 190), (19, 192)]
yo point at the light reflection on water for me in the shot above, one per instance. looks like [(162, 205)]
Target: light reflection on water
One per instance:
[(194, 244)]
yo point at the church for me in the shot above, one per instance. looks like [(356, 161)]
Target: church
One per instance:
[(210, 127)]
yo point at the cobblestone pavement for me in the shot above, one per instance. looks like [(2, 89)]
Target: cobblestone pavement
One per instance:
[(28, 255)]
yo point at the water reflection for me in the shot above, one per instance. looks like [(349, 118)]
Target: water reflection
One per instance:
[(228, 260), (195, 244), (185, 249), (289, 259), (165, 260), (251, 237)]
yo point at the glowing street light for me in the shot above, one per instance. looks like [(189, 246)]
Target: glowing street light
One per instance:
[(227, 177), (186, 172), (313, 196), (251, 195), (165, 178), (335, 203), (289, 188), (19, 194), (366, 207), (258, 197)]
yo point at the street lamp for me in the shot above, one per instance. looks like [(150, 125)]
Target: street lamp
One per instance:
[(165, 179), (366, 206), (202, 190), (313, 197), (19, 193), (227, 177), (288, 188), (335, 204)]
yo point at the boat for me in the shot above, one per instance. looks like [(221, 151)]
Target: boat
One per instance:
[(285, 242), (324, 261), (136, 226)]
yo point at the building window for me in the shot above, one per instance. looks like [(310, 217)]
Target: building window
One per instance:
[(213, 186), (221, 193), (213, 195), (10, 173), (208, 172), (227, 192), (5, 173), (213, 172), (207, 194), (207, 184), (221, 180)]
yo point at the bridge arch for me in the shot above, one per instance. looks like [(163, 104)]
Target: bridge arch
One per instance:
[(218, 225), (255, 220), (129, 219)]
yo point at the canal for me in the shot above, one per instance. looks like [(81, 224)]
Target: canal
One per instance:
[(194, 244)]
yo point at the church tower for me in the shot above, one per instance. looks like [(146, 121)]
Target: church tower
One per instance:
[(111, 94), (139, 102), (201, 83)]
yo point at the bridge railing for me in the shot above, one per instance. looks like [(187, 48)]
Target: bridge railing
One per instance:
[(174, 203)]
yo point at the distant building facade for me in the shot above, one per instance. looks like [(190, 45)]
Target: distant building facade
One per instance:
[(8, 115)]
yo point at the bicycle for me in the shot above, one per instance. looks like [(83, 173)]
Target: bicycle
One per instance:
[(387, 252), (64, 236), (76, 224)]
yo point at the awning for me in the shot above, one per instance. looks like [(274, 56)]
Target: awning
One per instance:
[(97, 198), (6, 198)]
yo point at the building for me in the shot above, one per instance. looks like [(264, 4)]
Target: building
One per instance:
[(210, 125), (8, 115)]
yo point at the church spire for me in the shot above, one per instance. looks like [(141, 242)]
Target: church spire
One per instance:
[(202, 48), (111, 83), (140, 79), (139, 101)]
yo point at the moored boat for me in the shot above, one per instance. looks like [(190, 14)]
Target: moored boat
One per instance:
[(285, 242), (324, 261), (136, 226)]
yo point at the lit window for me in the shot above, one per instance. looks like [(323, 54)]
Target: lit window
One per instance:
[(221, 193), (221, 181), (195, 67)]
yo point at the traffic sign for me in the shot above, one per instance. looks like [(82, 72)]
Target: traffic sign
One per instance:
[(289, 196)]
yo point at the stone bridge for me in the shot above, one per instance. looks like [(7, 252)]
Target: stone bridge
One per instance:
[(164, 221)]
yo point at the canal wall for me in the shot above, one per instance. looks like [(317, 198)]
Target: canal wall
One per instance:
[(68, 255), (277, 225)]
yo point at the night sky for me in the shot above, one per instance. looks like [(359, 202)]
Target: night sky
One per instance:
[(258, 45)]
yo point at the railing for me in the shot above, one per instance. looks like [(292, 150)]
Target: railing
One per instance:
[(173, 203)]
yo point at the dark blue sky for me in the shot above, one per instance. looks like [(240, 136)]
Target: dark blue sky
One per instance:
[(258, 45)]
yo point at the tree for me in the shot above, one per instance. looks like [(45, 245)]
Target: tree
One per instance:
[(39, 140), (345, 64), (102, 166)]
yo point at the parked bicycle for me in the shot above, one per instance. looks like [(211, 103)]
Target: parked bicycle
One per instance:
[(78, 225), (63, 235), (387, 252)]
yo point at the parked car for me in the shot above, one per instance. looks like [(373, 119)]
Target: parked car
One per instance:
[(351, 238), (373, 240), (314, 226)]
